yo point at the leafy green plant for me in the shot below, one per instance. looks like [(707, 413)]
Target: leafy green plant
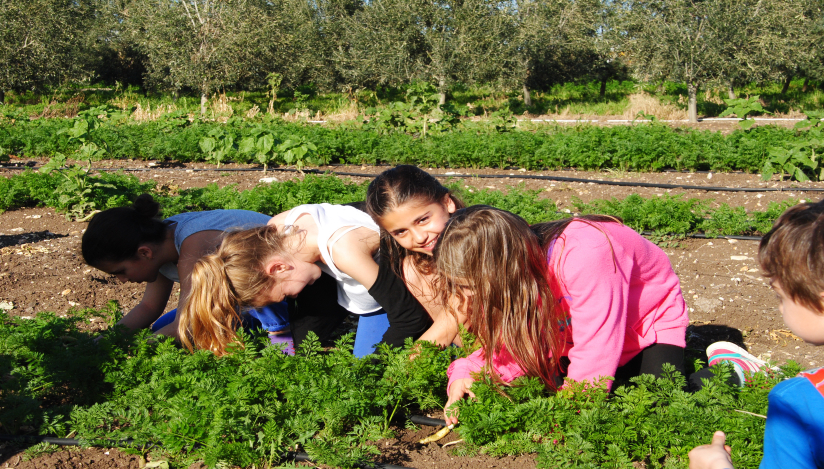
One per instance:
[(795, 161), (261, 145), (743, 107), (217, 145), (75, 194), (273, 80), (297, 149)]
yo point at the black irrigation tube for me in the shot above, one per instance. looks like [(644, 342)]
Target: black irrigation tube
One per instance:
[(480, 176), (417, 419)]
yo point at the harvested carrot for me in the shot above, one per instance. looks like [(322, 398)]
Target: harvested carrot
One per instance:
[(437, 435)]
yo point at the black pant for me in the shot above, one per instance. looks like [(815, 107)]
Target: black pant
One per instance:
[(316, 309), (651, 361)]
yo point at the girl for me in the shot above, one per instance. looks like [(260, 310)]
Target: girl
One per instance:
[(526, 288), (412, 207), (283, 260), (133, 245)]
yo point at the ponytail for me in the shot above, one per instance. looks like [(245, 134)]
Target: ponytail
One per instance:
[(209, 318), (224, 282)]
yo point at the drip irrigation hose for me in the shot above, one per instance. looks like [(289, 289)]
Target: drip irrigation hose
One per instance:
[(480, 176), (74, 442), (417, 419)]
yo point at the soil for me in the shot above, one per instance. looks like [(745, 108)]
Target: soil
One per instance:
[(42, 270)]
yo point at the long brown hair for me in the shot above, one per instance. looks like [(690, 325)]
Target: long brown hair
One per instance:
[(495, 254), (398, 186), (225, 281)]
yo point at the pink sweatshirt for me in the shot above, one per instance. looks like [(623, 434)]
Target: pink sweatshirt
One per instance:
[(620, 295)]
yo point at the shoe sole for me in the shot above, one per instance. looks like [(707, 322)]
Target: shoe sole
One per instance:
[(736, 349)]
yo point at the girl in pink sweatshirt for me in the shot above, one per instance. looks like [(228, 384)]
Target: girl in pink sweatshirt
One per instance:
[(588, 288)]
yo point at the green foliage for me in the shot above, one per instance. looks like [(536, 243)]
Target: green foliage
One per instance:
[(802, 161), (795, 161), (298, 150), (395, 138), (261, 145), (654, 422), (250, 406), (217, 145), (743, 107)]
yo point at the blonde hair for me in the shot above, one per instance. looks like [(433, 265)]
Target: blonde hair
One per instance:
[(495, 254), (225, 281)]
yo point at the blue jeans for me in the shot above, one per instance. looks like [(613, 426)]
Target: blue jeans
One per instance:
[(273, 318), (371, 328)]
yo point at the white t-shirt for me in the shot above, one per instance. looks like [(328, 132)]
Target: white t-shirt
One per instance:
[(330, 218)]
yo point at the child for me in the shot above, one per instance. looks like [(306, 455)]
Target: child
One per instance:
[(792, 257), (280, 261), (615, 290), (412, 207), (133, 245)]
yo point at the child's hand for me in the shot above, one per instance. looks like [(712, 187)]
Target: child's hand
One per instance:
[(715, 455), (459, 388)]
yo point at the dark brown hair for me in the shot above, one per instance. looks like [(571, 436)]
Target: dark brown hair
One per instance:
[(792, 253), (114, 235), (495, 254), (397, 186)]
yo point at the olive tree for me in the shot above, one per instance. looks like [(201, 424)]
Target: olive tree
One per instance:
[(206, 44), (674, 40), (43, 42), (397, 41), (541, 33)]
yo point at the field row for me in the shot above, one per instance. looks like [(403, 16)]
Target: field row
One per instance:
[(456, 144)]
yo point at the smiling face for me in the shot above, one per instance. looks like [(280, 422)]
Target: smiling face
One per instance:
[(802, 321), (417, 227)]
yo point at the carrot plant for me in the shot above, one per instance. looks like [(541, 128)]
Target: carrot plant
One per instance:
[(251, 406)]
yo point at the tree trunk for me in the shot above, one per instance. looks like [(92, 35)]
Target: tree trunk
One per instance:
[(730, 91), (603, 91), (787, 84), (806, 83), (2, 97), (527, 96), (203, 100), (692, 111), (441, 92)]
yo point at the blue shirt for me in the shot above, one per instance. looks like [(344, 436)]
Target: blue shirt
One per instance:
[(794, 437), (189, 223)]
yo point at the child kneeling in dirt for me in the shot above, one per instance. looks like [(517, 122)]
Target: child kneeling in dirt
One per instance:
[(792, 257), (134, 245)]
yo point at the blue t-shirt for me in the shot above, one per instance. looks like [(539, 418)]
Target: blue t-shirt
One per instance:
[(189, 223), (794, 437)]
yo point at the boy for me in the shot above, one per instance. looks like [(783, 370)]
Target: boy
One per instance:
[(792, 257)]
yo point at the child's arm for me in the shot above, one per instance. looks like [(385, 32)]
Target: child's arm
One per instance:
[(353, 252), (460, 374), (151, 306), (193, 248), (715, 455)]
